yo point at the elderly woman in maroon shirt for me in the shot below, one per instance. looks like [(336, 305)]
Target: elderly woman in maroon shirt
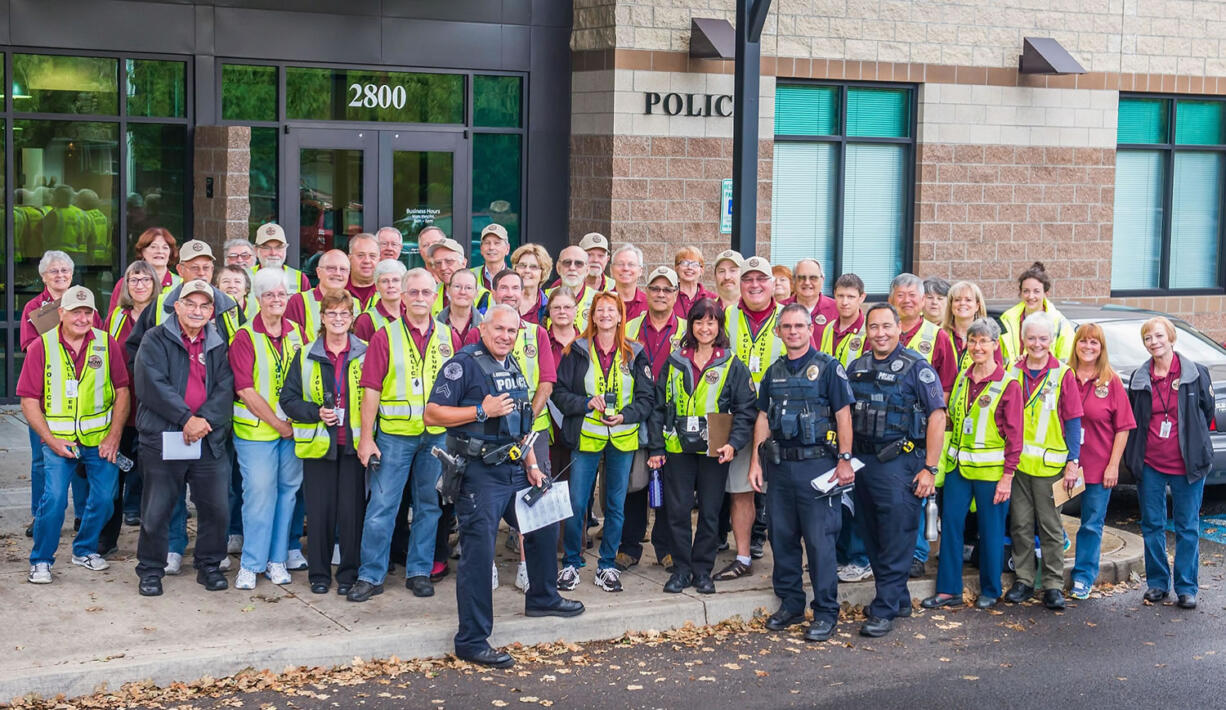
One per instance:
[(1172, 401), (1105, 424)]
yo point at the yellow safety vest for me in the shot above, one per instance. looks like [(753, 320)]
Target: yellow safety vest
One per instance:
[(270, 368), (101, 236), (850, 347), (974, 444), (635, 327), (757, 353), (311, 316), (594, 434), (377, 319), (115, 321), (924, 341), (293, 278), (159, 307), (311, 441), (71, 228), (229, 320), (1013, 349), (702, 401), (582, 308), (1044, 450), (84, 416), (527, 357), (410, 379)]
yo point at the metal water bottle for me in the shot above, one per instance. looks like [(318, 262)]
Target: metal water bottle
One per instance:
[(655, 489), (930, 518)]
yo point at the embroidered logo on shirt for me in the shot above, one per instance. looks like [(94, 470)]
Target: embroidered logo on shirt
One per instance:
[(1101, 391), (94, 362), (819, 319), (925, 347), (444, 350), (530, 351), (453, 371), (927, 376), (984, 400), (712, 376)]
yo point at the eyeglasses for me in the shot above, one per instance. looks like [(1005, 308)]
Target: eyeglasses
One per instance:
[(418, 292), (140, 281), (338, 315), (755, 279), (58, 272), (528, 267), (689, 264), (238, 256), (193, 307), (807, 277), (335, 268), (274, 295), (572, 262), (661, 289), (563, 307)]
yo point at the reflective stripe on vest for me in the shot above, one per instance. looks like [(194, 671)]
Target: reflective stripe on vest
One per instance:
[(582, 307), (924, 341), (159, 307), (979, 454), (311, 441), (849, 348), (268, 373), (1011, 348), (410, 378), (702, 401), (756, 352), (634, 328), (1044, 451), (86, 417), (115, 321), (595, 434), (377, 319), (527, 357)]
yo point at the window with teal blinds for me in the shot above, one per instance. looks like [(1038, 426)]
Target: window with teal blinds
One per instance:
[(843, 161), (1169, 189)]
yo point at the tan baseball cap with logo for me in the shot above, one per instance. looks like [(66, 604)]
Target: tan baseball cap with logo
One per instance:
[(195, 248), (731, 255), (197, 286), (447, 243), (270, 232), (594, 240), (665, 273), (497, 230), (78, 297), (758, 264)]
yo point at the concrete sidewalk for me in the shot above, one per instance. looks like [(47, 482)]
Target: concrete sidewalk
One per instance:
[(88, 629)]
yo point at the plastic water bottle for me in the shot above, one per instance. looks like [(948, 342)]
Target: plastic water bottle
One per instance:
[(930, 518), (655, 489), (124, 463)]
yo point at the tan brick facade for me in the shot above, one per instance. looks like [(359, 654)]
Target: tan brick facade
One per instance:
[(222, 153)]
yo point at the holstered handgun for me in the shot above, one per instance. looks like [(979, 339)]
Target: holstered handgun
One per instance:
[(450, 482)]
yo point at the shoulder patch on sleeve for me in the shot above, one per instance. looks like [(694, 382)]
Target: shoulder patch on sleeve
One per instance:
[(453, 370), (927, 375), (444, 390), (838, 368)]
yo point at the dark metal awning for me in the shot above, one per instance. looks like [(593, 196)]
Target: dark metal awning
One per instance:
[(1044, 55), (711, 39)]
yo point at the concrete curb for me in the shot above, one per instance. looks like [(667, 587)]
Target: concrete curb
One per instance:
[(433, 637)]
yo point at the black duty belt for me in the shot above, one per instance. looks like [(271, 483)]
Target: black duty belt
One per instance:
[(803, 453), (471, 448)]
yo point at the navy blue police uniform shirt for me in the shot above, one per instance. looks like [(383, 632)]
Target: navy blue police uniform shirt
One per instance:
[(832, 381), (921, 383), (459, 379)]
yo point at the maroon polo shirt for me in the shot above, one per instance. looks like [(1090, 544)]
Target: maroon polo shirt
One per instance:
[(1106, 412), (168, 280), (295, 309), (375, 367), (658, 343), (1162, 454), (685, 302), (340, 389), (838, 335), (688, 353), (556, 347), (32, 379), (242, 352), (196, 392), (364, 294), (944, 359), (364, 326), (636, 305), (460, 336)]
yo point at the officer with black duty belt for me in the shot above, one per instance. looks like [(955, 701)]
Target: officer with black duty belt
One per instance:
[(482, 398), (899, 423), (803, 399)]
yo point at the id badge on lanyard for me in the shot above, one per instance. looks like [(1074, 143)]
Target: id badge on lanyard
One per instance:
[(71, 388), (1164, 429)]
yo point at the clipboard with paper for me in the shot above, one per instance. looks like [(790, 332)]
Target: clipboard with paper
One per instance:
[(552, 507)]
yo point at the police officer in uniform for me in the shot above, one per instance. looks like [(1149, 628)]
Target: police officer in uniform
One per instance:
[(803, 398), (482, 398), (899, 423)]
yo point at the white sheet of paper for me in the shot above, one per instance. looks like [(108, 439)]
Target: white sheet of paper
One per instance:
[(173, 448), (827, 481), (553, 507)]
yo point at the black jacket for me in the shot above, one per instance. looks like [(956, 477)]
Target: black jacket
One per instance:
[(300, 409), (738, 398), (160, 378), (571, 398), (1196, 407), (221, 304)]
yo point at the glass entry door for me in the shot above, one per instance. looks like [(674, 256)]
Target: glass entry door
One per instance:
[(351, 181)]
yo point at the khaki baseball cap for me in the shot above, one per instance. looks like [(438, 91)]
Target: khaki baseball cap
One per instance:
[(77, 297), (497, 230), (731, 255), (270, 232), (665, 273), (195, 248), (197, 286), (594, 240), (447, 243), (756, 263)]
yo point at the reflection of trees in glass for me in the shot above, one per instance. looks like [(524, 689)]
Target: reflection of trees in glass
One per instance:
[(325, 95), (57, 84), (496, 101), (248, 93), (497, 176), (156, 88), (262, 175), (422, 183)]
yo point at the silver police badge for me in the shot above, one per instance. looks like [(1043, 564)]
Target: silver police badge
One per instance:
[(444, 349), (1101, 391), (897, 366), (813, 372), (200, 358), (453, 371)]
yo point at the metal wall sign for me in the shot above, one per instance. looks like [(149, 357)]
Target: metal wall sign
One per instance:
[(694, 105), (725, 207)]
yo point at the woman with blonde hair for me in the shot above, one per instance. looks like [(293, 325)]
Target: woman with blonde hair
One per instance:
[(1105, 422), (532, 263), (964, 305)]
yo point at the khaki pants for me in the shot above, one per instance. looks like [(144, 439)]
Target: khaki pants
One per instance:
[(1031, 503)]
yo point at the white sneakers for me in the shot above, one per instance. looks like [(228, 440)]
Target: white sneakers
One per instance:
[(174, 563), (277, 574), (92, 561), (608, 579), (245, 579), (234, 544), (39, 573), (494, 576), (521, 577), (568, 578), (295, 560), (854, 573)]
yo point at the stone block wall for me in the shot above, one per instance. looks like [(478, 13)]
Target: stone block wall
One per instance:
[(222, 153)]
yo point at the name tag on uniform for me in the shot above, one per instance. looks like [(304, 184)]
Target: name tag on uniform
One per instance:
[(417, 389), (340, 414), (755, 363), (1164, 430), (690, 424), (70, 388), (968, 426)]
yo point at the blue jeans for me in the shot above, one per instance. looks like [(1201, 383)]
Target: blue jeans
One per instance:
[(38, 479), (272, 475), (177, 536), (582, 485), (959, 492), (405, 458), (1090, 535), (922, 546), (103, 477), (1186, 497), (849, 549)]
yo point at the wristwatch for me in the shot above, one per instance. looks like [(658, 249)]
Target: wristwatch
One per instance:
[(846, 456), (481, 415), (934, 470), (534, 467)]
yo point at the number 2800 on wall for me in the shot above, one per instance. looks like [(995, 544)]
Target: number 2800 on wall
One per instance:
[(377, 96)]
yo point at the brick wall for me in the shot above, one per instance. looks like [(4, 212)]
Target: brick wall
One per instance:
[(222, 153)]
